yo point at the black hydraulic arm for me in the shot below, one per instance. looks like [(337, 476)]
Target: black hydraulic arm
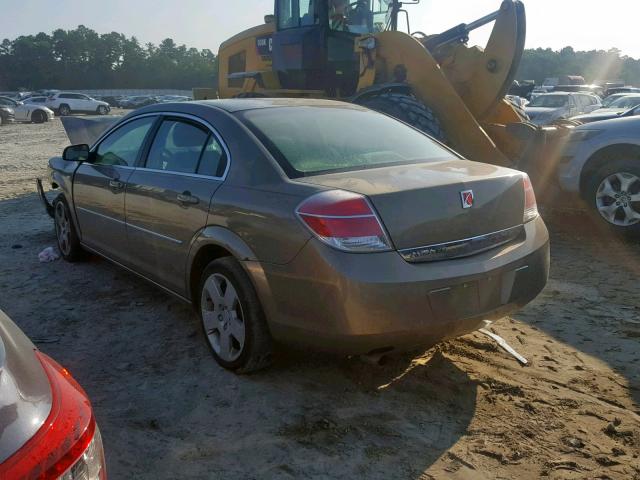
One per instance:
[(458, 34)]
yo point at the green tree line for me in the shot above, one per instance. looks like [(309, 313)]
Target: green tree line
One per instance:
[(594, 65), (83, 59)]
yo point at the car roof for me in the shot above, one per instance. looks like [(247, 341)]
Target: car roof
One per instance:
[(239, 104)]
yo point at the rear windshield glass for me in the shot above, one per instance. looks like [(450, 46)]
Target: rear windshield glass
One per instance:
[(549, 101), (321, 139)]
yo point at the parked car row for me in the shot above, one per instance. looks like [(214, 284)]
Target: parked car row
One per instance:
[(549, 108), (139, 101), (68, 103)]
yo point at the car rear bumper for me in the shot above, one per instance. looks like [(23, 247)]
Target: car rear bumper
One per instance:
[(359, 303)]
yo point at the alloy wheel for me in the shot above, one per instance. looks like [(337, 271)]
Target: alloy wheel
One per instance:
[(64, 110), (618, 199), (222, 317), (63, 228)]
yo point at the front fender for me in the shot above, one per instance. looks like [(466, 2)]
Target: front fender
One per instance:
[(223, 238)]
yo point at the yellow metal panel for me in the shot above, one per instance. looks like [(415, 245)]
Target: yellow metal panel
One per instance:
[(244, 41), (479, 75), (433, 88)]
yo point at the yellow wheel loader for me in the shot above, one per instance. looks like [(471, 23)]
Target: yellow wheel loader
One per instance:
[(354, 51)]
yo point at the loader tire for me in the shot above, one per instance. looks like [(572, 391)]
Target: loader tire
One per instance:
[(408, 109)]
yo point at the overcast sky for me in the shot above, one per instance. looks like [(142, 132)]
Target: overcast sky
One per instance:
[(583, 24)]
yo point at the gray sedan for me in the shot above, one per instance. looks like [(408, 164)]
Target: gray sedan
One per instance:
[(303, 221)]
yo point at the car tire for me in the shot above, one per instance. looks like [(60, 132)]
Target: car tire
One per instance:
[(38, 117), (408, 109), (232, 318), (1, 120), (64, 110), (66, 234), (102, 110), (612, 194)]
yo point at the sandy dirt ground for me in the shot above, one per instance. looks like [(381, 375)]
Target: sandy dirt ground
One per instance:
[(462, 410)]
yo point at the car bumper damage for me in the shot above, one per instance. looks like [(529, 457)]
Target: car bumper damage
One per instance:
[(361, 304)]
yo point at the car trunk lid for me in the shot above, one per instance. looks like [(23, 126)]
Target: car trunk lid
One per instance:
[(421, 204)]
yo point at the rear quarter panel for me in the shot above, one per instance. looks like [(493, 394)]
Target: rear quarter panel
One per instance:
[(615, 132)]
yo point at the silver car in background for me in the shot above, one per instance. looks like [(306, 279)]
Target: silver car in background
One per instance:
[(28, 112), (548, 108), (601, 162)]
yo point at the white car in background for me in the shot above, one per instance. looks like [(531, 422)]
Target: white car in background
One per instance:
[(601, 162), (66, 103), (548, 108), (26, 112)]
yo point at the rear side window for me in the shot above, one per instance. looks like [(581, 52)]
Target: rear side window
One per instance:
[(321, 139), (122, 146), (177, 147), (214, 159)]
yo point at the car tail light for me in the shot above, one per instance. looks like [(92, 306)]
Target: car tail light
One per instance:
[(68, 446), (530, 205), (344, 220)]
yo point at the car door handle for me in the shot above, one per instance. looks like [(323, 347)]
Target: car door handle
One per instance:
[(185, 198), (116, 185)]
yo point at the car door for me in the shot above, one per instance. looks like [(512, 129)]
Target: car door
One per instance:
[(99, 188), (168, 198), (82, 103), (19, 113)]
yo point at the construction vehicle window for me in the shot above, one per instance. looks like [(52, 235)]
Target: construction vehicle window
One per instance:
[(296, 13), (313, 140), (237, 64), (354, 17)]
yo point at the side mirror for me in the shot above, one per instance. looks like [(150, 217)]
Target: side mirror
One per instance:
[(76, 153), (269, 18)]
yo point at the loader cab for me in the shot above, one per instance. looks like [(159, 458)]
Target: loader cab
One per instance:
[(314, 42)]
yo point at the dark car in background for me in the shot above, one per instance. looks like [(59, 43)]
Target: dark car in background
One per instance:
[(47, 426), (613, 91), (626, 106), (313, 222), (138, 101), (112, 100)]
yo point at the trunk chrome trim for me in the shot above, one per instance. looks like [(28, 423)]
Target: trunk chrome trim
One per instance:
[(461, 248)]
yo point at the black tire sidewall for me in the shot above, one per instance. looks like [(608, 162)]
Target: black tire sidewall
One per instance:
[(629, 165), (254, 321), (37, 117), (408, 109)]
